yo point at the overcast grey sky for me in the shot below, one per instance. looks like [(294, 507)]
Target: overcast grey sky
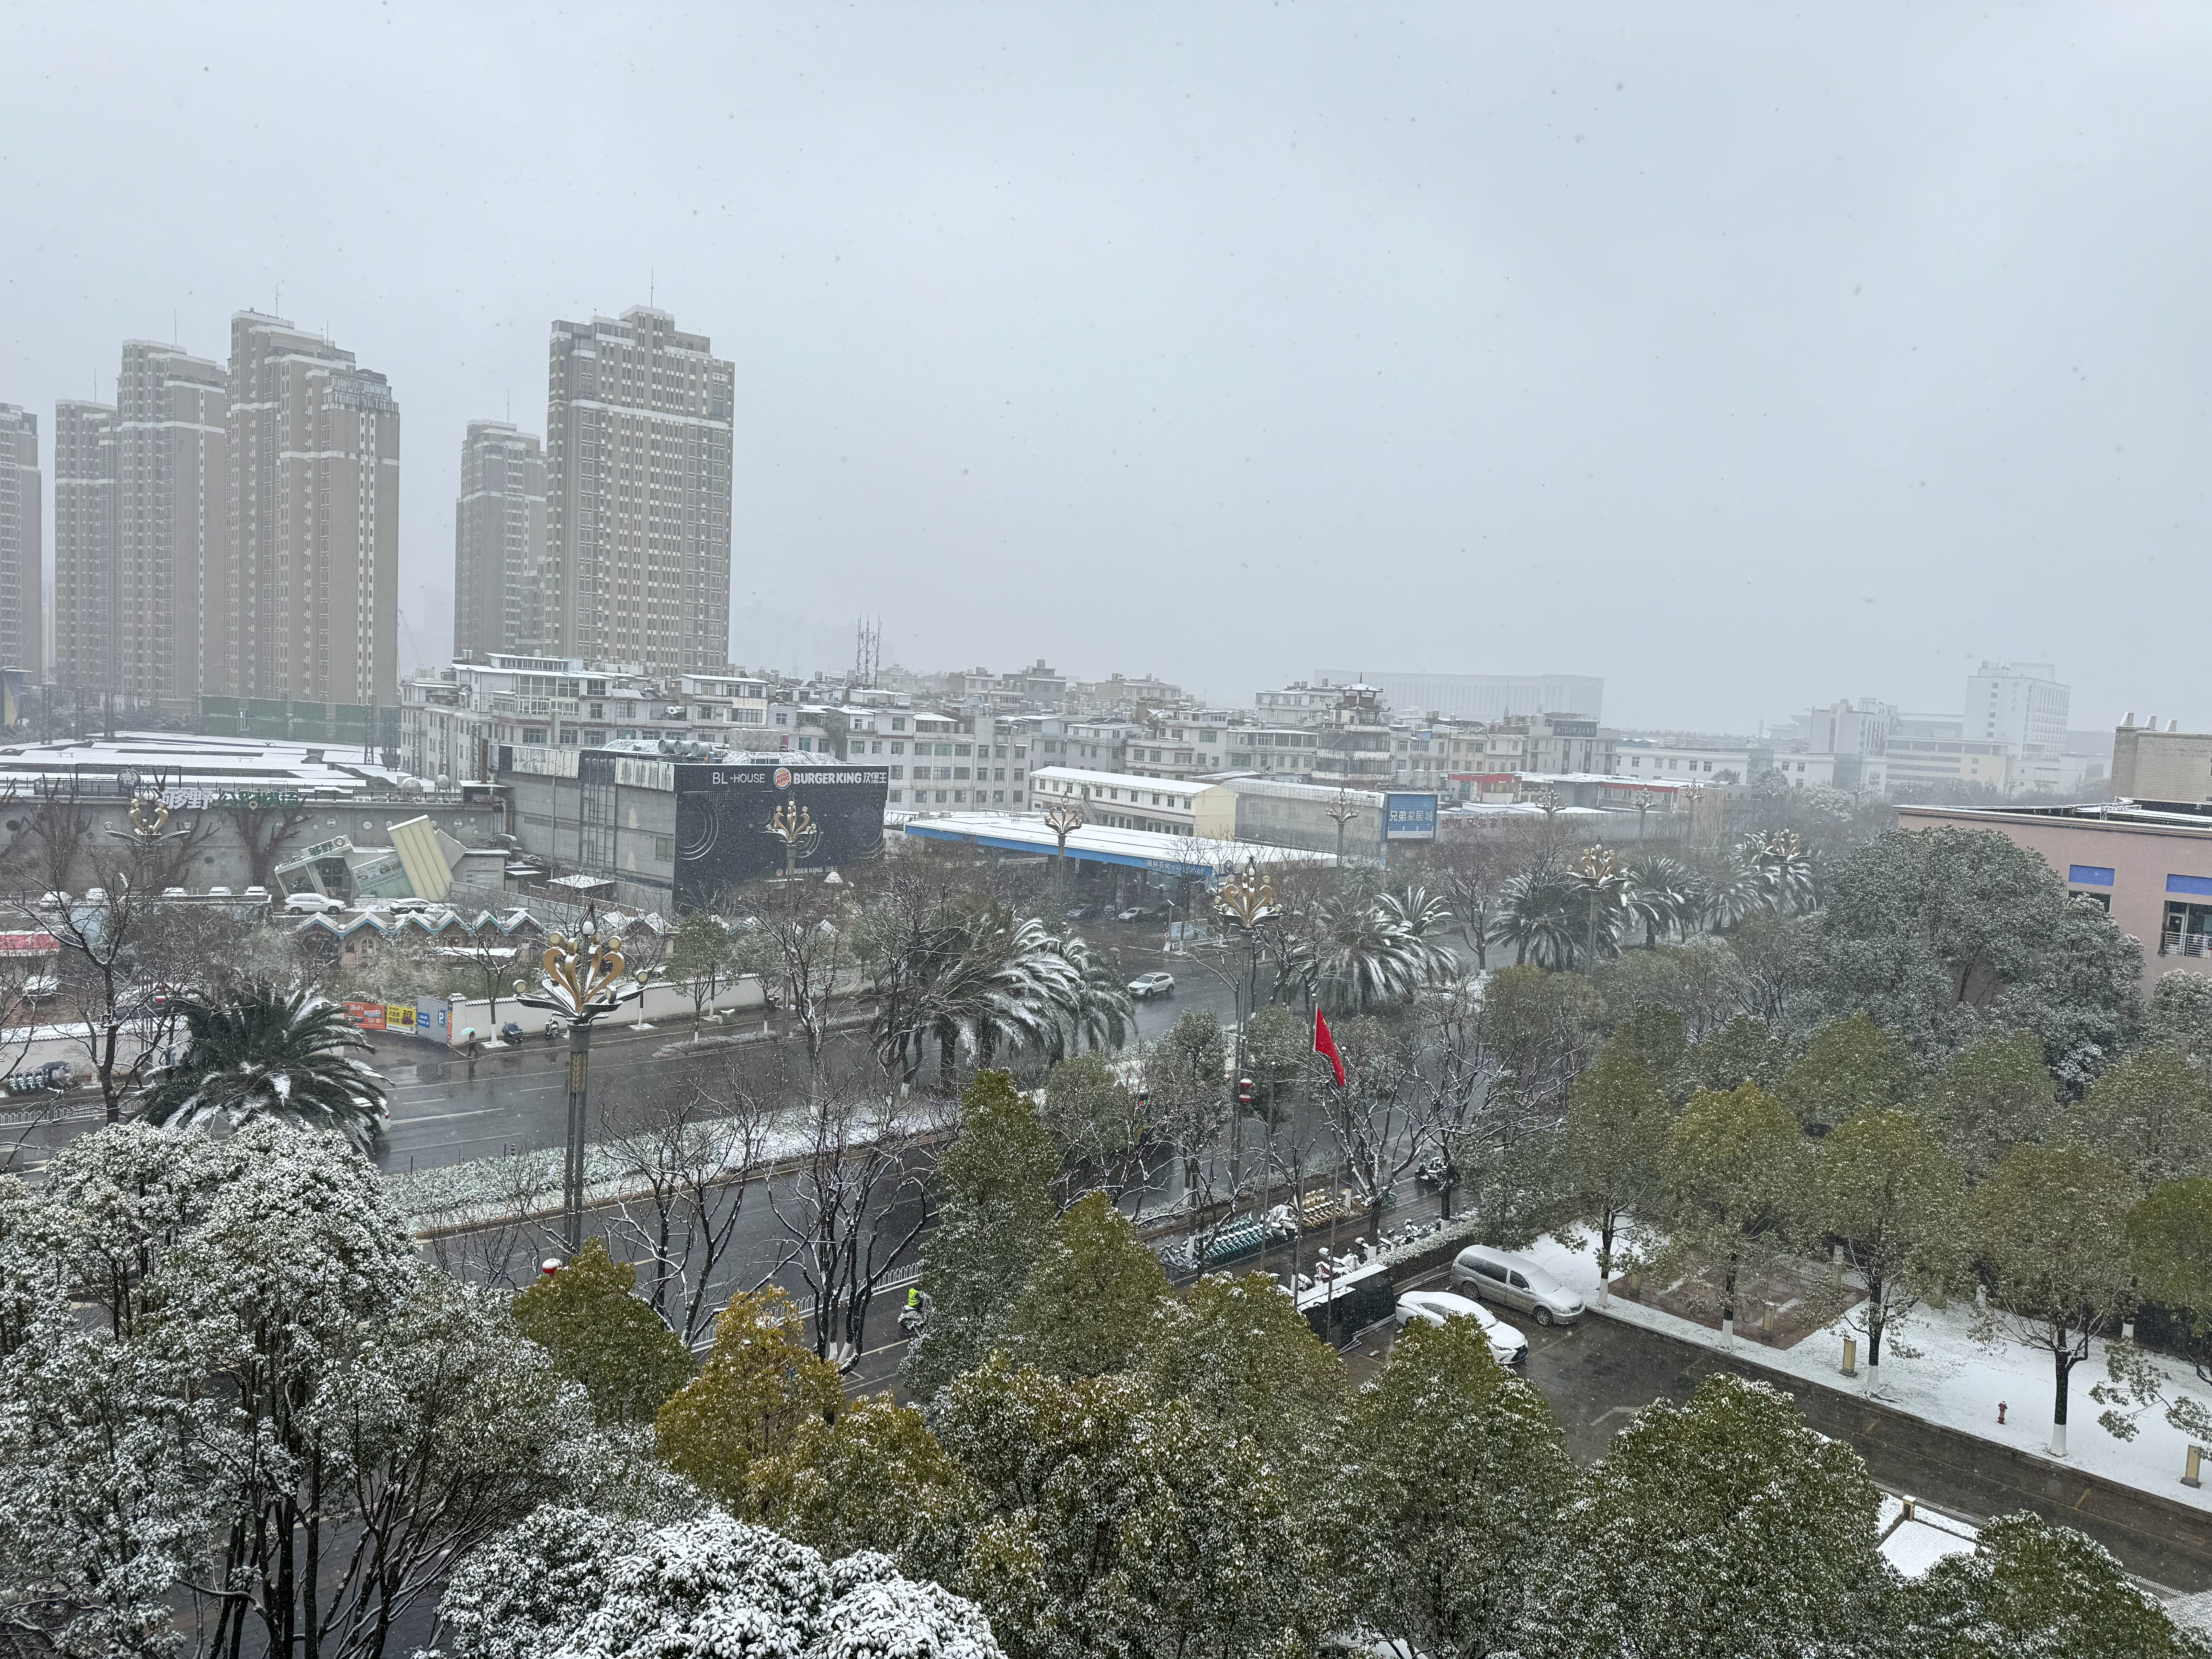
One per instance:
[(1746, 355)]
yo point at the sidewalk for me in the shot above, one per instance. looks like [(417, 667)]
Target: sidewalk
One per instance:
[(1953, 1382)]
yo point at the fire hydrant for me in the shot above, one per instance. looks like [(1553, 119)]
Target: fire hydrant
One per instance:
[(2001, 1411)]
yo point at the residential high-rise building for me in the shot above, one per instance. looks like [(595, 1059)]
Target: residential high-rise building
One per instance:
[(499, 544), (304, 604), (637, 487), (22, 545), (85, 580), (171, 494)]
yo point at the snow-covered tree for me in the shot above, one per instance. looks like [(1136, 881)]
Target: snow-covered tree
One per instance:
[(871, 1478), (2170, 1236), (1720, 1526), (1990, 1097), (2051, 1227), (1115, 1522), (1884, 1190), (1238, 1352), (1848, 1066), (285, 1413), (264, 1052), (761, 1380), (1732, 1176), (603, 1337), (2153, 1111), (1616, 1130), (2032, 1590), (1092, 1298), (1448, 1482), (573, 1585), (995, 1209)]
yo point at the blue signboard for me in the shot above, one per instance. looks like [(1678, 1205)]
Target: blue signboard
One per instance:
[(1409, 818)]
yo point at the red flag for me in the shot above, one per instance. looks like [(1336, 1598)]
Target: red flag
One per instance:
[(1325, 1044)]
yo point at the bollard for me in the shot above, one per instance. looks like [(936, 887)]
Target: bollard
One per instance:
[(2127, 1330), (1850, 1356), (2193, 1473)]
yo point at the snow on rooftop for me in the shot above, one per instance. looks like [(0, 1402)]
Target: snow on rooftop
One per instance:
[(1915, 1537)]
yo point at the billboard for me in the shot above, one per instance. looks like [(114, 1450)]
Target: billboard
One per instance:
[(724, 813), (1409, 818)]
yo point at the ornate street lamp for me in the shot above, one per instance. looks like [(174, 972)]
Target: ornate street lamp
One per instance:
[(1246, 901), (1599, 867), (580, 979), (796, 830), (1343, 809), (1063, 818)]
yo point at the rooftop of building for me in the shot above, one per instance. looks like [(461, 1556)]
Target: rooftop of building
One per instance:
[(1096, 843), (173, 760), (2165, 815)]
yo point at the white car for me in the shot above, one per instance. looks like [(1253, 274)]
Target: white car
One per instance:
[(1145, 986), (1507, 1345), (1518, 1282), (311, 904), (255, 893)]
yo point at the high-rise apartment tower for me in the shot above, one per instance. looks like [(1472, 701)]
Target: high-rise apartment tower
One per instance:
[(22, 545), (171, 497), (500, 602), (306, 603), (85, 579), (637, 486)]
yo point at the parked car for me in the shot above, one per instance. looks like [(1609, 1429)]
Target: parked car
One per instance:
[(1147, 986), (261, 893), (1434, 1307), (1134, 912), (1082, 912), (219, 892), (53, 901), (311, 904), (408, 905), (1517, 1281), (174, 892)]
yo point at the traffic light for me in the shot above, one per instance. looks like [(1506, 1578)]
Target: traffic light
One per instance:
[(1244, 1094)]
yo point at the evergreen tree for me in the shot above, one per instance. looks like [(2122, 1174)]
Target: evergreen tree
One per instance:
[(1092, 1297), (994, 1213), (1993, 1095), (760, 1382), (1118, 1524), (1658, 1040), (605, 1338), (1238, 1352), (1450, 1481), (2051, 1228), (1722, 1527), (2153, 1111), (2170, 1244), (871, 1478), (2032, 1590), (1617, 1121), (1851, 1067), (1732, 1176), (1886, 1190), (2180, 1015), (1092, 1117), (1276, 1043), (1744, 1050)]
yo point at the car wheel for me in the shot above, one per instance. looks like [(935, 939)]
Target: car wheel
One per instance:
[(1543, 1315)]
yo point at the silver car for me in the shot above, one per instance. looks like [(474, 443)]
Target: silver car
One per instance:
[(1503, 1276)]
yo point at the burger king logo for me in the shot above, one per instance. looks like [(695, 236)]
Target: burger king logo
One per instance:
[(783, 777)]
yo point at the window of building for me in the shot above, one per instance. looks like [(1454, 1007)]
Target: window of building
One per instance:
[(893, 798), (899, 749)]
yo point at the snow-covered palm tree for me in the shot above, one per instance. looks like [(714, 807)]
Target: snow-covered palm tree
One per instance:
[(1785, 868), (1539, 919), (1426, 919), (1731, 892), (1358, 954), (1658, 898), (264, 1053)]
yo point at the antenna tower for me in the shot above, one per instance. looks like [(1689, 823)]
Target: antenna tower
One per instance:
[(867, 651)]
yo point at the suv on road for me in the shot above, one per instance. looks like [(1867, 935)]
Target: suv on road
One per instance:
[(1518, 1282), (1146, 985)]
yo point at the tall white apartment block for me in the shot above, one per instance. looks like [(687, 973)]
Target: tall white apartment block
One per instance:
[(22, 545), (171, 502), (85, 579), (637, 485), (499, 544), (306, 605)]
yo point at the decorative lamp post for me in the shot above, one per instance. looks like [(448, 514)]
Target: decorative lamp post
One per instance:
[(1063, 818), (581, 979), (798, 831), (1246, 902), (1343, 809), (1599, 867)]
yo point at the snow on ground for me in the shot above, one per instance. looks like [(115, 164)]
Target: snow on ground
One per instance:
[(1913, 1543), (1955, 1382)]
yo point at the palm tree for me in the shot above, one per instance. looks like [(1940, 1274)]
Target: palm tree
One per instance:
[(1540, 918), (1426, 920), (264, 1053), (1730, 893), (1359, 954), (1784, 869), (1658, 897)]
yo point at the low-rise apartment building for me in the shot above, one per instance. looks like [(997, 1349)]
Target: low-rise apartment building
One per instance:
[(1125, 801)]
